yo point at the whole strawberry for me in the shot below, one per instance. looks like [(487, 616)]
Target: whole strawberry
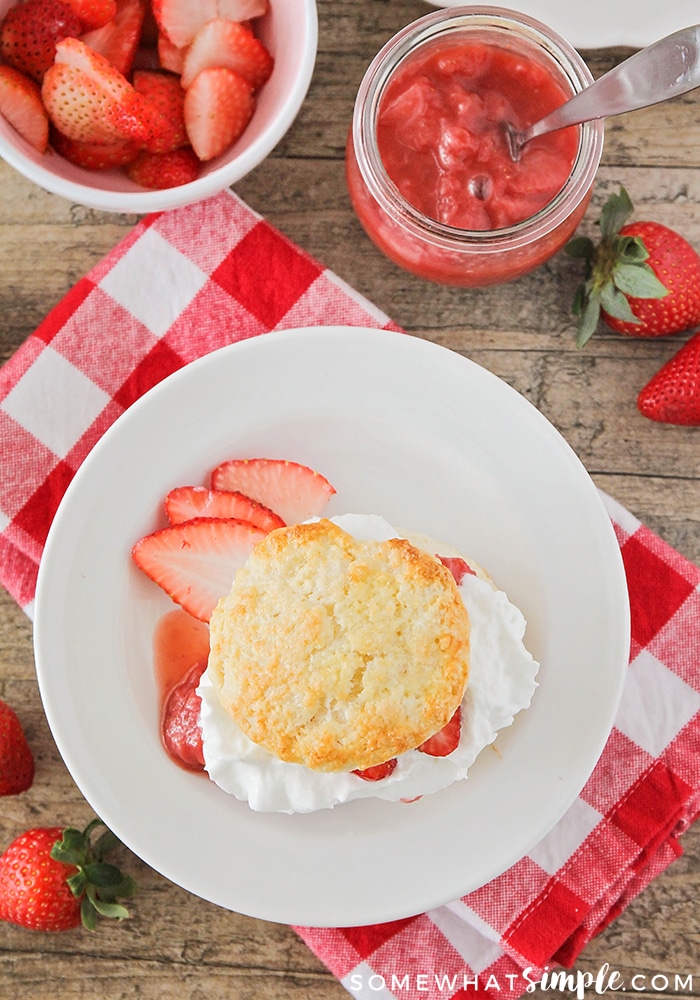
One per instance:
[(29, 33), (672, 396), (53, 879), (642, 278), (16, 760)]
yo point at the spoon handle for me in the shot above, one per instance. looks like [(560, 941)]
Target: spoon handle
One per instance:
[(656, 73)]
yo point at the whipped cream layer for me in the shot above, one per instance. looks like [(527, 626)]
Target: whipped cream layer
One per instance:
[(502, 681)]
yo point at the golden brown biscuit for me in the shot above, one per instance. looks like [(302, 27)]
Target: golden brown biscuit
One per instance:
[(339, 654)]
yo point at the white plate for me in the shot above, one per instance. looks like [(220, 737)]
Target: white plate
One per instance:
[(601, 24), (431, 441)]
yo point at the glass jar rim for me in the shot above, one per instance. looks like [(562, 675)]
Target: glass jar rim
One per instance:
[(409, 39)]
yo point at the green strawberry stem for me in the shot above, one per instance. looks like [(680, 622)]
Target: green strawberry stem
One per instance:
[(97, 884), (616, 269)]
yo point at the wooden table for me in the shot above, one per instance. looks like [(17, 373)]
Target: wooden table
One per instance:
[(177, 947)]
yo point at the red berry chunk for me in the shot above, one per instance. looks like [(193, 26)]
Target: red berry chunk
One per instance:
[(447, 740), (458, 567), (181, 730), (377, 772)]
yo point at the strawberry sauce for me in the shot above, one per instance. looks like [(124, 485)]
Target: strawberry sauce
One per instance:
[(428, 167), (181, 731), (181, 650), (440, 135), (179, 642)]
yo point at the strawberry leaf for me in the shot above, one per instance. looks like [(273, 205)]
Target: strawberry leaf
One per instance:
[(113, 910), (616, 211), (105, 844), (588, 318), (615, 304), (98, 884), (76, 883), (88, 914), (581, 247), (104, 876), (639, 281), (629, 249)]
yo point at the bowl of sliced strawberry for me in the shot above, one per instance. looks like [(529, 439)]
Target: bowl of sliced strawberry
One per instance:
[(145, 105)]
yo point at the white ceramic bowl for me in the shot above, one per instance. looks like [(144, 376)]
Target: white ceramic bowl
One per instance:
[(289, 30)]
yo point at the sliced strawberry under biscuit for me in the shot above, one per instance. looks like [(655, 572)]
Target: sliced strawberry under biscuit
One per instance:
[(446, 740), (292, 490), (458, 567), (378, 772)]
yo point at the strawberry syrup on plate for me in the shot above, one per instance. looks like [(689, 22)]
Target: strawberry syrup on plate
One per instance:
[(179, 642), (181, 649)]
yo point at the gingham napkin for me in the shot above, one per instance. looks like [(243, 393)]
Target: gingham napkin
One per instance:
[(186, 282)]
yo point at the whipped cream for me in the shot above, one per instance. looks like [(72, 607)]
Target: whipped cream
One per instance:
[(502, 681)]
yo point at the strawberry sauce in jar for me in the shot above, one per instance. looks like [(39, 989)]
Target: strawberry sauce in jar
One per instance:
[(428, 167)]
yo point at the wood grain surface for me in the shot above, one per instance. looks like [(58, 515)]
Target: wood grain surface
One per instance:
[(177, 947)]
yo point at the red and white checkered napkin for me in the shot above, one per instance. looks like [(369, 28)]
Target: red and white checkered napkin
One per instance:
[(188, 281)]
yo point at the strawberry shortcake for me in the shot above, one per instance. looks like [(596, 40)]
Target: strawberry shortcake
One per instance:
[(346, 659)]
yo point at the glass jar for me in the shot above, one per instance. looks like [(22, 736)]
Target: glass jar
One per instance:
[(444, 252)]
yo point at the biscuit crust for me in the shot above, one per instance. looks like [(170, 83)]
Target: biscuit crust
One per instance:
[(336, 653)]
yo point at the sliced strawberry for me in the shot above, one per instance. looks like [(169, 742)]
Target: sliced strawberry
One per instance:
[(158, 171), (293, 491), (29, 33), (95, 155), (94, 13), (80, 109), (119, 39), (88, 100), (458, 567), (445, 741), (220, 42), (21, 105), (377, 772), (165, 94), (181, 730), (195, 562), (185, 502), (171, 57), (218, 106), (180, 20)]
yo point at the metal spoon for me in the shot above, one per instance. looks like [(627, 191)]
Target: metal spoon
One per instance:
[(656, 73)]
